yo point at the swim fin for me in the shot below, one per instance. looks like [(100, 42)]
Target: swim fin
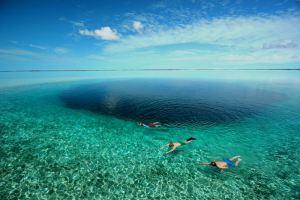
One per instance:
[(191, 138)]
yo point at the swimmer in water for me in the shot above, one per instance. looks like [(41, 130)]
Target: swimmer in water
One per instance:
[(174, 145), (225, 164), (150, 125)]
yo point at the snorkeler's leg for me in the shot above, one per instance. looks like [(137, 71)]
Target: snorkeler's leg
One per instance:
[(187, 141), (234, 158), (238, 162)]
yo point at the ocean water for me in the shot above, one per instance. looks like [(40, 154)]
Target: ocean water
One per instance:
[(80, 139)]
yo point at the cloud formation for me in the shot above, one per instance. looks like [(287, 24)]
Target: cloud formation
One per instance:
[(242, 32), (38, 46), (137, 26), (74, 23), (60, 50), (224, 42), (104, 33), (280, 45), (17, 52)]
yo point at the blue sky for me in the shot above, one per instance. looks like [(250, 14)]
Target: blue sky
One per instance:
[(171, 34)]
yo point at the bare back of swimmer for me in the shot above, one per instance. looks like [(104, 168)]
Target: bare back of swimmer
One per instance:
[(225, 164), (174, 145)]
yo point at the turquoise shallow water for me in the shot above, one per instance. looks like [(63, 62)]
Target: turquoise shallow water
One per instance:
[(52, 150)]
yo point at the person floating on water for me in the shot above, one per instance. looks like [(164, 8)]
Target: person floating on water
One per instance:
[(150, 125), (174, 145), (225, 164)]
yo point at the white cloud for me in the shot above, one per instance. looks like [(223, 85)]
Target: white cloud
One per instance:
[(62, 19), (234, 58), (104, 33), (37, 46), (241, 32), (240, 42), (226, 42), (78, 24), (61, 50), (137, 26), (74, 23), (17, 52), (280, 45), (95, 57), (254, 58)]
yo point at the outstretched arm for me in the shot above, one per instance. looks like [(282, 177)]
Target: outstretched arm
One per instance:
[(164, 146), (173, 149), (204, 163)]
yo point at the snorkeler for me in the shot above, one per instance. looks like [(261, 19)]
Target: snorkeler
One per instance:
[(225, 164), (174, 145), (150, 125)]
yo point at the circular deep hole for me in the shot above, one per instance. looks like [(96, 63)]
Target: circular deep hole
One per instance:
[(171, 102)]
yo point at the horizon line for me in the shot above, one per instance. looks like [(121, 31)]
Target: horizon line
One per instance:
[(152, 69)]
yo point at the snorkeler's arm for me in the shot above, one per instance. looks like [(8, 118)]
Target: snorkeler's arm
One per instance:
[(222, 168), (164, 146), (173, 149), (204, 163)]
